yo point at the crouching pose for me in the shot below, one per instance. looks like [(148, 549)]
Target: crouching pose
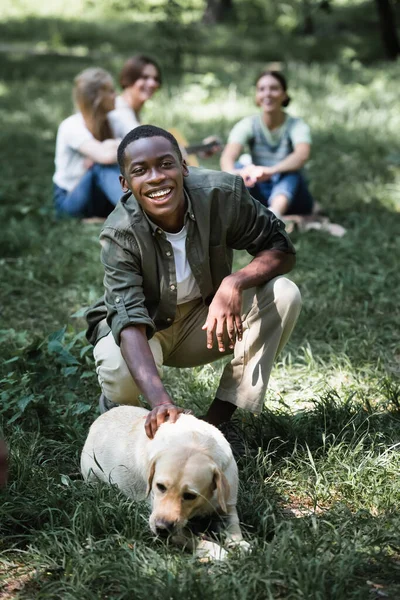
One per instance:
[(170, 297)]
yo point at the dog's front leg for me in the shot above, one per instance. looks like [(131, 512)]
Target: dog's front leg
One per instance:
[(233, 533), (204, 550)]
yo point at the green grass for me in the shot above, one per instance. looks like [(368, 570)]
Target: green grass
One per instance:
[(320, 492)]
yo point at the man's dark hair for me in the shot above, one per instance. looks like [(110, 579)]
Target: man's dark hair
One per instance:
[(145, 131)]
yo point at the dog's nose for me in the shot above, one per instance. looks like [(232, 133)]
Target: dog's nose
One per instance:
[(164, 528)]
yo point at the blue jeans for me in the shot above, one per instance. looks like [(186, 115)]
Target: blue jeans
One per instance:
[(292, 185), (95, 195)]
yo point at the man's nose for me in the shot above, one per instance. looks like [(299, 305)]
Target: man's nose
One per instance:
[(155, 175)]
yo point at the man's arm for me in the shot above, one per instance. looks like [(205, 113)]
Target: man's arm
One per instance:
[(226, 308), (137, 354)]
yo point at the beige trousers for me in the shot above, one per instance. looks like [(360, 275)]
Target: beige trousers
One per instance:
[(269, 314)]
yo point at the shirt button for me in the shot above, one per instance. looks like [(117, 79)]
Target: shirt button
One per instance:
[(159, 231), (168, 253), (169, 320), (117, 300), (172, 287)]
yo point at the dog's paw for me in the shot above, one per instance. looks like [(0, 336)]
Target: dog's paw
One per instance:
[(240, 546), (207, 551)]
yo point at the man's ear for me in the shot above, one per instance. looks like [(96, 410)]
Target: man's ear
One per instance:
[(124, 183), (185, 168), (152, 470), (220, 483)]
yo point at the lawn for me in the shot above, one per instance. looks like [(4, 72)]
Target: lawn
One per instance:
[(320, 492)]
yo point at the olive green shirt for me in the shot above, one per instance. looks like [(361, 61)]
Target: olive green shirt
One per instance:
[(140, 278)]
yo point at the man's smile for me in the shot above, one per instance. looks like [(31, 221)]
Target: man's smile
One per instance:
[(159, 194)]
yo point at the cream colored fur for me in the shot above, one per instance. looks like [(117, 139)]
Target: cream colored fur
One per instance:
[(186, 470)]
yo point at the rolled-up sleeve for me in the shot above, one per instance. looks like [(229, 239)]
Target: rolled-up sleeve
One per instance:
[(123, 283), (254, 227)]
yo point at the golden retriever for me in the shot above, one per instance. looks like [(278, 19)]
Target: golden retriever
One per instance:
[(187, 470)]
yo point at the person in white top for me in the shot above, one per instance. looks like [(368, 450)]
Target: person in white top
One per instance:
[(86, 178), (140, 78)]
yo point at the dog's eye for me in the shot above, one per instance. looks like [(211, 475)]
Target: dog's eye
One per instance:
[(161, 487), (189, 496)]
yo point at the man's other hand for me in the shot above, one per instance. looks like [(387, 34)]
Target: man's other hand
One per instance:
[(224, 315)]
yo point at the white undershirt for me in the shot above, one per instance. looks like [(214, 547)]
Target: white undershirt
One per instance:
[(187, 287)]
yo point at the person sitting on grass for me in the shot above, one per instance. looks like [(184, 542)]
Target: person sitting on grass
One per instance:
[(279, 146), (170, 296), (86, 181), (140, 78)]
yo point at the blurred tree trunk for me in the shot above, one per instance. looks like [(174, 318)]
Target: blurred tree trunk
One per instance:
[(387, 23), (218, 11), (308, 21)]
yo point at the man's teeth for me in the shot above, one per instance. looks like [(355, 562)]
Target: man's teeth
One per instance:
[(160, 193)]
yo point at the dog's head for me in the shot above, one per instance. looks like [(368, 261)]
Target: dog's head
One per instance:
[(182, 487)]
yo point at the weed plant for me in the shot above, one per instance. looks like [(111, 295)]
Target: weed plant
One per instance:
[(319, 491)]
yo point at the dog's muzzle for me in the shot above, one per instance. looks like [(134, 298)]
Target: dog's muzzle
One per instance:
[(164, 528)]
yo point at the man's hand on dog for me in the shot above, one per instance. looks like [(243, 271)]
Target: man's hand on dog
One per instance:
[(159, 414)]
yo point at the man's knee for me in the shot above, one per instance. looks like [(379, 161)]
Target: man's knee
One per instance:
[(287, 297), (114, 376)]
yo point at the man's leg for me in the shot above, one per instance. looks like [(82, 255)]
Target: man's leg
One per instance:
[(115, 380), (270, 314)]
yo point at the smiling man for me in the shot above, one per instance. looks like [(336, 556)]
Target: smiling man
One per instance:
[(170, 295)]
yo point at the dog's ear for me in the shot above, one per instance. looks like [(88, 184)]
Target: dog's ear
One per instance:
[(220, 483), (150, 477)]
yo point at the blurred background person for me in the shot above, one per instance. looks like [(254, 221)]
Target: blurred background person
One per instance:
[(86, 178), (140, 78), (279, 147)]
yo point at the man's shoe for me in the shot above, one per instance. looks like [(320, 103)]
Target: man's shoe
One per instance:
[(234, 435), (105, 404)]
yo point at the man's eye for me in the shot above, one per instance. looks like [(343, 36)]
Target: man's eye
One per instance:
[(189, 496), (167, 164), (137, 171), (161, 487)]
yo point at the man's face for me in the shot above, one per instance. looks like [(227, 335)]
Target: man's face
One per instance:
[(154, 174)]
